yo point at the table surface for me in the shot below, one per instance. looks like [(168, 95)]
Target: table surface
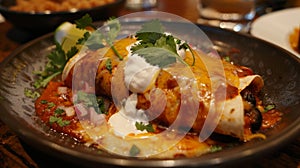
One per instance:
[(15, 153)]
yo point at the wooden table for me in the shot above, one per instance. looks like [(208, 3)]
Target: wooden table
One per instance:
[(15, 153)]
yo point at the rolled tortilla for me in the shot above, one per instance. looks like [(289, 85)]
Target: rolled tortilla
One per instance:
[(232, 119)]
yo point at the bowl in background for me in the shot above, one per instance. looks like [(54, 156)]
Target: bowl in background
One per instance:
[(43, 22)]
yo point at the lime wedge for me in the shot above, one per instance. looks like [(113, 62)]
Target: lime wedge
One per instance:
[(67, 35)]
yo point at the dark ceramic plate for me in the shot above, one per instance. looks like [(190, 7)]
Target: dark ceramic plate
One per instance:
[(279, 68), (46, 22)]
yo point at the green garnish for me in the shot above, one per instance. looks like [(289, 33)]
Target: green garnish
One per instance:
[(157, 56), (84, 21), (134, 150), (114, 29), (108, 65), (152, 35), (215, 148), (86, 98), (99, 39), (31, 94), (59, 121), (43, 101), (101, 106), (59, 111), (226, 58), (50, 104), (269, 107), (57, 60), (89, 100), (85, 38), (141, 126)]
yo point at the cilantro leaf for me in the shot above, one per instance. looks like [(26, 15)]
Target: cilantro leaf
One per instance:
[(84, 21), (152, 35), (157, 56), (141, 126), (43, 81), (102, 37), (44, 101), (101, 106), (134, 150), (62, 122), (89, 100), (59, 111), (269, 107), (215, 148), (140, 46), (59, 121), (108, 65), (57, 60), (154, 26), (50, 105), (148, 34), (85, 38), (94, 40), (167, 42), (148, 37), (114, 29), (31, 94)]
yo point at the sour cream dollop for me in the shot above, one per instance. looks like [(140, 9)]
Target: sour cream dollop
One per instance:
[(123, 122), (140, 76)]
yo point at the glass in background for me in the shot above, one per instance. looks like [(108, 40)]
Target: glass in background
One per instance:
[(235, 15), (140, 4)]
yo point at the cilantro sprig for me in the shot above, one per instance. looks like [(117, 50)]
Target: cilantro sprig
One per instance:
[(103, 37), (58, 58), (84, 22), (153, 41)]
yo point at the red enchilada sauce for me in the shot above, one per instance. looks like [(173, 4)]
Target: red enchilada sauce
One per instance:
[(51, 100), (47, 106)]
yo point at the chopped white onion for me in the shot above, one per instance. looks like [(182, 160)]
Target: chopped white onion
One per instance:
[(81, 110), (96, 118), (62, 90), (70, 111)]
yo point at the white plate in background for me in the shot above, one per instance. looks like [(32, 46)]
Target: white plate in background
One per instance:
[(1, 18), (276, 27)]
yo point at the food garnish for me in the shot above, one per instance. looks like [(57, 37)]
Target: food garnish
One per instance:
[(141, 126), (68, 39), (152, 37)]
